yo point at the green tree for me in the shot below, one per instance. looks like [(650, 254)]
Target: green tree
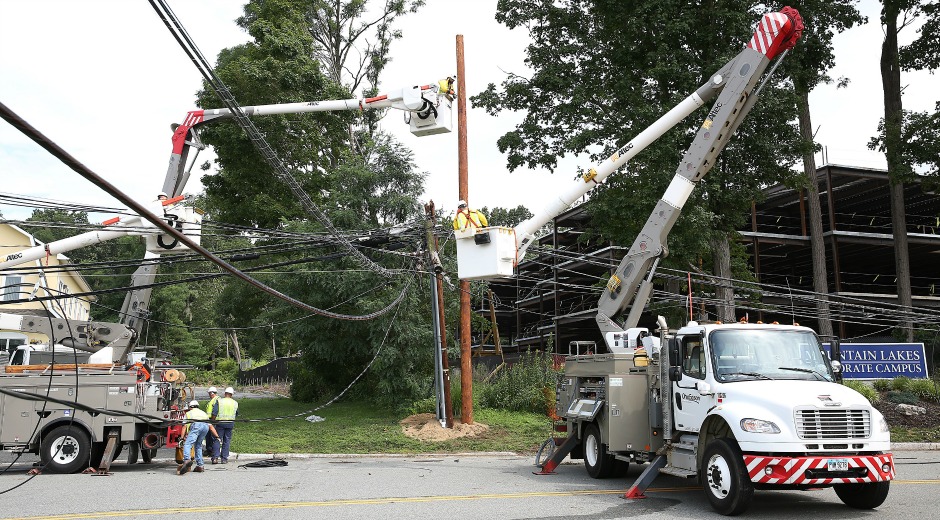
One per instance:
[(603, 71), (899, 146), (509, 217), (807, 68)]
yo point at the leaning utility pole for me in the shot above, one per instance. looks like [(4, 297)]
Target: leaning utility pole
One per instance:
[(466, 369), (445, 411)]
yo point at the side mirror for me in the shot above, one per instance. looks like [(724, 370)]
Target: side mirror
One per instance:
[(675, 373), (674, 357)]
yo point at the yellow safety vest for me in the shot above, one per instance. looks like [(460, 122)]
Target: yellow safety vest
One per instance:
[(228, 409), (211, 404), (467, 218)]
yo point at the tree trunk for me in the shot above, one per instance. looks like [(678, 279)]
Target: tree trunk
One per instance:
[(238, 350), (818, 245), (724, 292), (891, 84)]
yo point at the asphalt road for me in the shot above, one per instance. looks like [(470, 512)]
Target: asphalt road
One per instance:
[(425, 486)]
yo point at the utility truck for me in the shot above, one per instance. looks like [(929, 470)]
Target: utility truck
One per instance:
[(737, 406), (78, 411)]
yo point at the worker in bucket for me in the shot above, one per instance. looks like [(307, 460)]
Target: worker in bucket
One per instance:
[(467, 217), (199, 428)]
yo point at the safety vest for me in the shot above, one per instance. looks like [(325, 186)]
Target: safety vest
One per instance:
[(228, 409), (212, 402), (467, 218), (196, 414)]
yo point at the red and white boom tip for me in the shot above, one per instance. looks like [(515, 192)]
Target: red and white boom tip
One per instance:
[(777, 32)]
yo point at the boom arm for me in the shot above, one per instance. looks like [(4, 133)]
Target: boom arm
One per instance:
[(88, 336), (632, 281)]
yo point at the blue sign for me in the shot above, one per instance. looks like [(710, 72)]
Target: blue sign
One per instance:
[(882, 360)]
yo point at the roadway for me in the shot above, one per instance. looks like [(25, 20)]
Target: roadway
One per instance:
[(494, 486)]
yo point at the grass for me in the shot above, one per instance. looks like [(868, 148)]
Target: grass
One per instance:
[(901, 434), (358, 427)]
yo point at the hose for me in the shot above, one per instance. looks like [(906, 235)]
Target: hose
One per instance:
[(267, 463)]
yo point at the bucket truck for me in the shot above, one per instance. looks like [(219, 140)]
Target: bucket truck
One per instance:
[(737, 406)]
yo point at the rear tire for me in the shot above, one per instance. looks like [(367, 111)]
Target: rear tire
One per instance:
[(147, 456), (66, 449), (596, 460), (725, 479), (133, 452), (863, 496)]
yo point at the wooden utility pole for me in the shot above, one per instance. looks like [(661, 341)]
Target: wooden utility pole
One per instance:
[(466, 369)]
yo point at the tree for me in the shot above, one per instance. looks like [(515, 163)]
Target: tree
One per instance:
[(921, 54), (505, 216), (807, 68), (600, 78)]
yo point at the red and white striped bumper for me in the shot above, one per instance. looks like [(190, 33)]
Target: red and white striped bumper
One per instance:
[(814, 470)]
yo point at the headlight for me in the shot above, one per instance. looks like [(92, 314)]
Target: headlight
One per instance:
[(884, 425), (758, 426)]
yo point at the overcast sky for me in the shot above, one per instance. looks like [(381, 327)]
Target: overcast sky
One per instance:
[(104, 79)]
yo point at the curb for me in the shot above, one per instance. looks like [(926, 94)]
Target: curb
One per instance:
[(915, 446)]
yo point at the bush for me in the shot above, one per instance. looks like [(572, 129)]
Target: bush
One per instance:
[(901, 383), (526, 386), (925, 389), (225, 374), (901, 397), (882, 385), (867, 392)]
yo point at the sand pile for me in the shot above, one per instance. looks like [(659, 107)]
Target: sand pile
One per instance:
[(426, 427)]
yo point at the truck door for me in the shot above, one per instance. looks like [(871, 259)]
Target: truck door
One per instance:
[(689, 405)]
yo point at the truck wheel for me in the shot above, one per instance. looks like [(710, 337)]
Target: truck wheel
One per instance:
[(66, 449), (596, 460), (148, 455), (863, 496), (724, 477), (133, 451)]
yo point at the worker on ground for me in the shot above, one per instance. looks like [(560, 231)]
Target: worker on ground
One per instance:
[(199, 428), (224, 413), (212, 442), (467, 217)]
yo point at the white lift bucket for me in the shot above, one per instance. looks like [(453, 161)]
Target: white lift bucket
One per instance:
[(487, 254), (186, 219)]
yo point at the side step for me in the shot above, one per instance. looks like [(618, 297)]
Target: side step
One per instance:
[(678, 472)]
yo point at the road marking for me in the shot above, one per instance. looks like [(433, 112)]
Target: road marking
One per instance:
[(374, 501), (349, 502)]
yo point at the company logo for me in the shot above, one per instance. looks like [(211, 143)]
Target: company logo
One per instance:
[(14, 256), (827, 400), (691, 398)]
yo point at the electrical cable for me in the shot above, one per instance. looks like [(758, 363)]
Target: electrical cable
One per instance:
[(267, 463), (91, 176), (257, 138)]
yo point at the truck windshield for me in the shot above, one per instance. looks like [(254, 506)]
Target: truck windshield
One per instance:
[(748, 354)]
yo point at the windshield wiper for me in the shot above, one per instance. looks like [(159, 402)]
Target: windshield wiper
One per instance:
[(751, 374), (807, 370)]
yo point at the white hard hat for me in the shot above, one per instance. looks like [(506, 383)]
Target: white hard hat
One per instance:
[(194, 404), (230, 390), (461, 203), (213, 390)]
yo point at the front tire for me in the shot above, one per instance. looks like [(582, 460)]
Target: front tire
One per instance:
[(725, 479), (596, 460), (66, 449), (863, 496)]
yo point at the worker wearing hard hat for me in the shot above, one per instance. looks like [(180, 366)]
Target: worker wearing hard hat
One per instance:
[(212, 442), (199, 428), (467, 218), (224, 413)]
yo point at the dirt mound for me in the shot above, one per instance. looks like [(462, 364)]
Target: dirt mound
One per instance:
[(426, 427)]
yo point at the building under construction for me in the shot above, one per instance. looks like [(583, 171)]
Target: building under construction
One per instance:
[(546, 307)]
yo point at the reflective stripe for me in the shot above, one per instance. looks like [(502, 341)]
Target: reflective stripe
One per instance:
[(228, 408)]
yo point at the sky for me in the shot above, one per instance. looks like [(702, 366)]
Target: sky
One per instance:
[(105, 80)]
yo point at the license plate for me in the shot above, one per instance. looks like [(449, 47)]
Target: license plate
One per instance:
[(837, 464)]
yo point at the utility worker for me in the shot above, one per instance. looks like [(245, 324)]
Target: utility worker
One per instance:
[(199, 428), (468, 217), (212, 442), (224, 412), (161, 196)]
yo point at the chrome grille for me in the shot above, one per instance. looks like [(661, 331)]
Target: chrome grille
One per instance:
[(813, 423)]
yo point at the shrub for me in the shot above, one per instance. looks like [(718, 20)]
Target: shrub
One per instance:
[(901, 383), (867, 391), (925, 389), (526, 386), (882, 385), (901, 397)]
